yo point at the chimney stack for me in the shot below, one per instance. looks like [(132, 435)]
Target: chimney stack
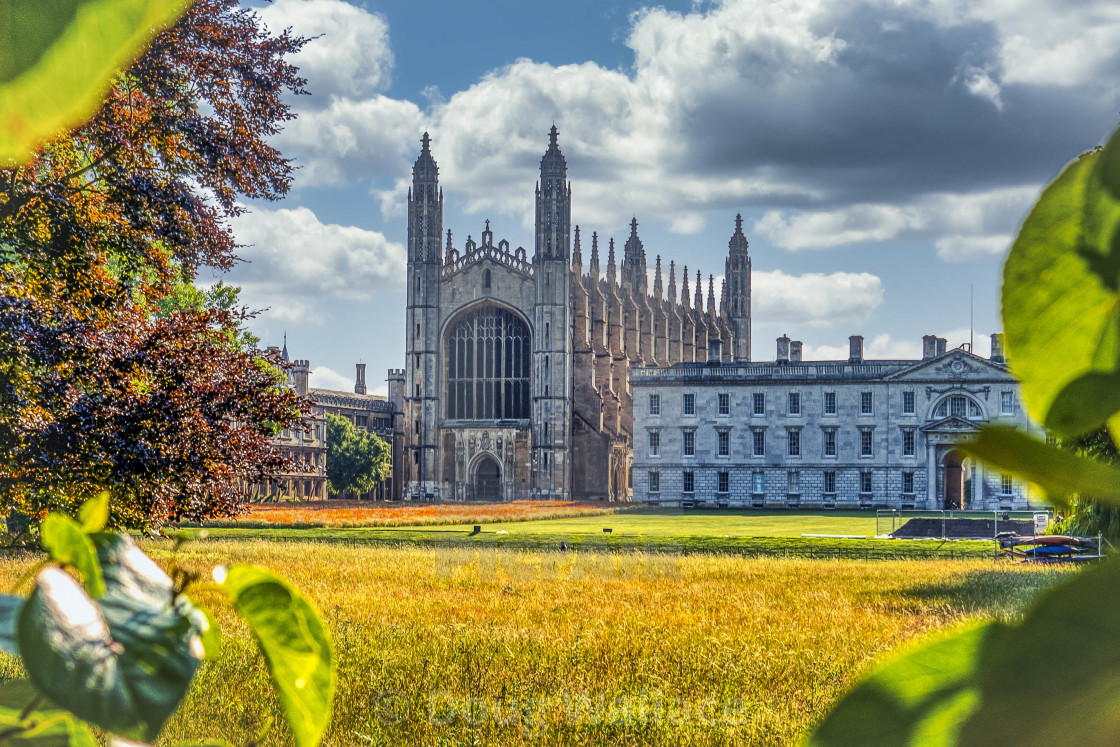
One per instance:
[(783, 349), (942, 345), (715, 350), (360, 379), (855, 349), (795, 351), (997, 348), (929, 346)]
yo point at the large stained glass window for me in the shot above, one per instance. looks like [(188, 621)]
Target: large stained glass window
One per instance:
[(488, 366)]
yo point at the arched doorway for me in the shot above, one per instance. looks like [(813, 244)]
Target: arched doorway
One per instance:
[(487, 480), (957, 481)]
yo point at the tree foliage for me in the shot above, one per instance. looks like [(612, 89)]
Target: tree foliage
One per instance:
[(357, 460), (1087, 516), (110, 378)]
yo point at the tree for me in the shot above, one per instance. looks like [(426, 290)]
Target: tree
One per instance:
[(108, 380), (1086, 516), (357, 460)]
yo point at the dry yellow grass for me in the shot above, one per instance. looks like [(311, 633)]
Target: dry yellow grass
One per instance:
[(443, 647)]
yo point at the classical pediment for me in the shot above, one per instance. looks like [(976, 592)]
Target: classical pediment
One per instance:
[(951, 424), (955, 365)]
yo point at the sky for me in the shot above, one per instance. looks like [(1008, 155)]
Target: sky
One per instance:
[(882, 153)]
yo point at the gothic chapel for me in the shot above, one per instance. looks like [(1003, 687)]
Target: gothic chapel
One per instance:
[(517, 374)]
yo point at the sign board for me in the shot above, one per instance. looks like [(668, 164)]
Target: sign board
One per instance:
[(1040, 523)]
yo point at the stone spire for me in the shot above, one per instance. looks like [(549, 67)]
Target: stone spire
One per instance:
[(738, 243), (737, 293), (723, 297), (711, 298), (612, 277), (699, 293), (594, 269), (672, 281), (634, 261), (284, 352), (577, 256), (554, 204), (425, 207), (686, 299), (657, 279)]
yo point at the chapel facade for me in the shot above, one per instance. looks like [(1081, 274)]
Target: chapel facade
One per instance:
[(517, 372)]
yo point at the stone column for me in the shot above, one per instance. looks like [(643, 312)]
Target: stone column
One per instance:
[(931, 477)]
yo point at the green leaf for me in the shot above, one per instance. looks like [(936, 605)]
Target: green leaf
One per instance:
[(1059, 472), (64, 539), (1056, 679), (1064, 328), (294, 642), (919, 698), (44, 728), (122, 662), (9, 613), (94, 514), (57, 57)]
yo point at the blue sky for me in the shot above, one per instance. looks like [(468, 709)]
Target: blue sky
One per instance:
[(882, 152)]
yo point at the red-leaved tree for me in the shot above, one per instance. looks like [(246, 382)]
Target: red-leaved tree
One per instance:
[(100, 388)]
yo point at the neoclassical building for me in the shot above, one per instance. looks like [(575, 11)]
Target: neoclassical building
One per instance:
[(850, 433), (518, 364)]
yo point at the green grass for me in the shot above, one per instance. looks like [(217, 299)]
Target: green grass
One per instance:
[(515, 648), (454, 647), (700, 523), (748, 533)]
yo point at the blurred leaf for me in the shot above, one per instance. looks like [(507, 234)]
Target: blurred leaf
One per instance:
[(919, 698), (122, 662), (209, 635), (9, 613), (64, 539), (1059, 331), (1056, 680), (57, 57), (94, 513), (1059, 472), (44, 728), (294, 642)]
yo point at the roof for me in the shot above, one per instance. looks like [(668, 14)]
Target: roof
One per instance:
[(353, 400), (771, 371)]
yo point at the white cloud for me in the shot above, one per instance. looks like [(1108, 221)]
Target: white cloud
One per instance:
[(829, 228), (322, 377), (294, 260), (352, 139), (968, 225), (958, 248), (348, 54), (1045, 42), (813, 299)]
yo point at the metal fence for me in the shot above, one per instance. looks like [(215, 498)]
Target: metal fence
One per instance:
[(958, 524)]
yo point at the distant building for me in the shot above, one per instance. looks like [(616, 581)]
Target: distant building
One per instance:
[(306, 448), (517, 362), (369, 412), (830, 434)]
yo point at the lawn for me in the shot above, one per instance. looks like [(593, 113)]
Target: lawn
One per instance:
[(701, 523), (458, 647), (749, 533)]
